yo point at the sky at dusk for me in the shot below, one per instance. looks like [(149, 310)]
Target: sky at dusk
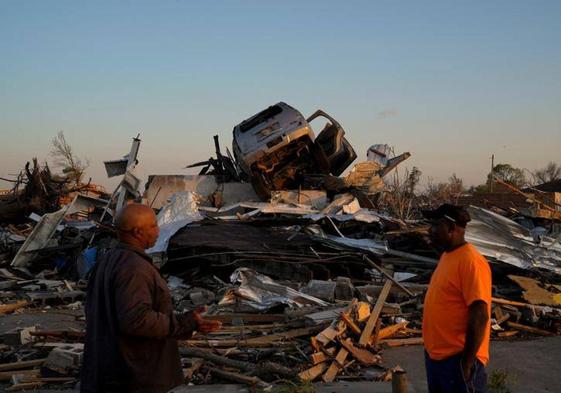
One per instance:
[(451, 82)]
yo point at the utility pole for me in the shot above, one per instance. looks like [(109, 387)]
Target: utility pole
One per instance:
[(492, 172)]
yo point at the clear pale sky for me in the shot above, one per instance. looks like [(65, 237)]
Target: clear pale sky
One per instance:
[(451, 82)]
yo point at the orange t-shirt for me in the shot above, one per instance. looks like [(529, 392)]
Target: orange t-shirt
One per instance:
[(460, 278)]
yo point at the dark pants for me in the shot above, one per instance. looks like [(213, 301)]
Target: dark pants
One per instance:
[(446, 376)]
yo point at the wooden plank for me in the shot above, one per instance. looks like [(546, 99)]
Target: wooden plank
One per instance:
[(374, 338), (277, 339), (350, 323), (389, 331), (363, 311), (335, 366), (11, 307), (398, 342), (313, 372), (508, 333), (319, 357), (507, 302), (529, 329), (22, 365), (327, 335), (371, 324), (364, 356)]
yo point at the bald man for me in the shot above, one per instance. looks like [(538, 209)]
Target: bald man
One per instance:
[(132, 331)]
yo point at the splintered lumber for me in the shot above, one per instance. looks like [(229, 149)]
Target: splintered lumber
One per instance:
[(508, 333), (327, 335), (276, 339), (363, 311), (335, 366), (364, 356), (507, 302), (350, 323), (374, 338), (313, 372), (340, 358), (389, 331), (371, 323), (500, 316), (398, 342), (11, 307), (22, 365), (319, 357), (529, 329)]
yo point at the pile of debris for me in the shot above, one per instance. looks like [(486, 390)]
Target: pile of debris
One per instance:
[(311, 275)]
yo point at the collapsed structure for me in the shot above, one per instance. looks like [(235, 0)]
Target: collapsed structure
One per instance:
[(311, 276)]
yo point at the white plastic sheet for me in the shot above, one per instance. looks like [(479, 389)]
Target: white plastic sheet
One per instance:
[(181, 210)]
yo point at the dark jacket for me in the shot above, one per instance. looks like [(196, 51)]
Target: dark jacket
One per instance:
[(131, 329)]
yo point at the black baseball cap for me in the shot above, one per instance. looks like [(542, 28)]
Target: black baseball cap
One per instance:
[(456, 214)]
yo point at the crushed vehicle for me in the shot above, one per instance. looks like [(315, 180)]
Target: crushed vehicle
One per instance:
[(276, 147)]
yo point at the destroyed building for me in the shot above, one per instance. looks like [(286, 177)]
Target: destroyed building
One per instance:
[(311, 276)]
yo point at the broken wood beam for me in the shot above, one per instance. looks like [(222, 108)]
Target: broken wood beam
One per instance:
[(313, 372), (529, 329), (507, 302), (335, 366), (389, 331), (371, 323), (398, 342), (364, 356), (22, 365), (320, 357), (350, 323)]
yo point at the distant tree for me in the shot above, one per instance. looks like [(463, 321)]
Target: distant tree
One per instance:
[(71, 165), (438, 193), (412, 180), (550, 172), (455, 185), (508, 174), (400, 196)]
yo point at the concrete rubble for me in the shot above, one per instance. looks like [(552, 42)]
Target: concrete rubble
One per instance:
[(307, 267)]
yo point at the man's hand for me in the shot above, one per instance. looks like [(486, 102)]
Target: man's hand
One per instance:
[(467, 368), (205, 326)]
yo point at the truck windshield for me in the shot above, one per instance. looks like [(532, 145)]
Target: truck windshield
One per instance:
[(261, 117)]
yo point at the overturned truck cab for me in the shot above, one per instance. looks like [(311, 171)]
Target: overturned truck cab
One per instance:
[(276, 147)]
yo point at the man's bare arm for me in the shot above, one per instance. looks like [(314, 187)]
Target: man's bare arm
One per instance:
[(478, 318)]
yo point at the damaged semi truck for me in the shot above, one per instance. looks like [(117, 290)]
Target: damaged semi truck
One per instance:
[(276, 147)]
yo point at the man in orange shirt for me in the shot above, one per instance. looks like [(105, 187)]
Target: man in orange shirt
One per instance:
[(456, 326)]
